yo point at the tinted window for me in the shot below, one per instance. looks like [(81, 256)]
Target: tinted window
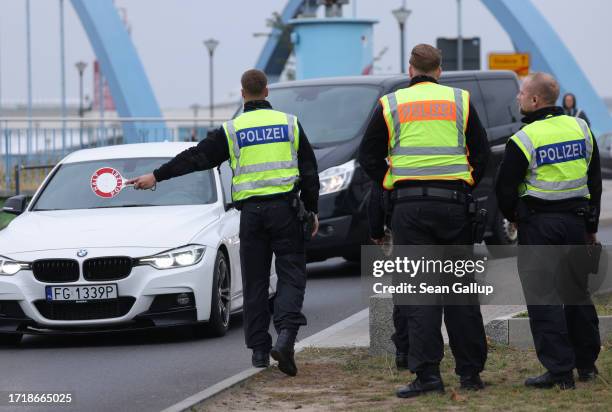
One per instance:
[(475, 95), (70, 187), (329, 114), (500, 100)]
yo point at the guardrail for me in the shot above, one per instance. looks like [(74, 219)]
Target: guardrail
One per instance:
[(30, 144)]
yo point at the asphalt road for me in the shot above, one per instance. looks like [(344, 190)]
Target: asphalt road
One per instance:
[(153, 370)]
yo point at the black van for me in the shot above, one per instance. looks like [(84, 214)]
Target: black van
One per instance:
[(335, 113)]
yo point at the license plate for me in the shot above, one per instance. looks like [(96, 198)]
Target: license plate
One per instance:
[(81, 293)]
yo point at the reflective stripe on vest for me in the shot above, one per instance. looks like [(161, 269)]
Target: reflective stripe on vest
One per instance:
[(273, 172), (558, 158), (430, 103)]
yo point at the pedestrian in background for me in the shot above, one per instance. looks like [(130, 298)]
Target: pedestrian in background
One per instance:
[(274, 167), (571, 109)]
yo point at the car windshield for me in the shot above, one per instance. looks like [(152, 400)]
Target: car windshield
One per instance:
[(70, 187), (329, 114)]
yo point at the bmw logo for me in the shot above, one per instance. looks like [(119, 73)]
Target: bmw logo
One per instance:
[(82, 253)]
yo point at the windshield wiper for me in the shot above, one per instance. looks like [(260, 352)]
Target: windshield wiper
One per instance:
[(118, 206)]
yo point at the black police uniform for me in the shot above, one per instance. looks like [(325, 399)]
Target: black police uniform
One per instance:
[(378, 211), (430, 219), (379, 217), (565, 337), (268, 225)]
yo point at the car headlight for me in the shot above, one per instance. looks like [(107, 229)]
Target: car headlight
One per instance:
[(176, 258), (8, 267), (336, 178)]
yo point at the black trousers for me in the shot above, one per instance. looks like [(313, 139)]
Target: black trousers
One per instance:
[(271, 227), (418, 327), (565, 336)]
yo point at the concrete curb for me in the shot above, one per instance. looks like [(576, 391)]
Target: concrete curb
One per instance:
[(194, 400), (381, 326), (517, 333), (605, 220)]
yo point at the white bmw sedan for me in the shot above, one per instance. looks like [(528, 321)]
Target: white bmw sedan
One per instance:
[(88, 254)]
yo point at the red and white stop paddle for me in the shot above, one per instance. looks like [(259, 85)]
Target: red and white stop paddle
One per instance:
[(107, 182)]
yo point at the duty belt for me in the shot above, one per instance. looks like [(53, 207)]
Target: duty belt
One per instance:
[(430, 193)]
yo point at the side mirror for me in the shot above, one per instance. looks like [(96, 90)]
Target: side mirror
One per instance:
[(15, 205)]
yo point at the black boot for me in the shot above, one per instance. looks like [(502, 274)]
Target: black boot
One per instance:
[(548, 380), (283, 352), (401, 360), (425, 382), (260, 359), (588, 374), (471, 382)]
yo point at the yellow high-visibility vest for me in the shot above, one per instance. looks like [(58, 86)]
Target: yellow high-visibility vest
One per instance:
[(263, 147), (559, 150), (427, 124)]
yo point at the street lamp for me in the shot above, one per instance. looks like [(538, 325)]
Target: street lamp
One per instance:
[(63, 73), (211, 45), (459, 37), (81, 68), (401, 15), (194, 132), (29, 69)]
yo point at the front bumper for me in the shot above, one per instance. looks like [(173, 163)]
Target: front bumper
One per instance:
[(337, 236), (144, 321), (137, 307), (343, 225)]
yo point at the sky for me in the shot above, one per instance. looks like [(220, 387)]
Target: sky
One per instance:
[(168, 36)]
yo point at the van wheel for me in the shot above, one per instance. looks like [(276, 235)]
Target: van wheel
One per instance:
[(504, 237), (353, 257), (220, 305)]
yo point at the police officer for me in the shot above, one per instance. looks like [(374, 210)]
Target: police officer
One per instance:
[(271, 160), (547, 193), (431, 160)]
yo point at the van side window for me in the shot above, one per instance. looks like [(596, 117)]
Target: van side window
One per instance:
[(225, 172), (500, 100), (475, 96)]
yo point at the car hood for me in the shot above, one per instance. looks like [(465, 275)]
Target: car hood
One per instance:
[(330, 156), (157, 227)]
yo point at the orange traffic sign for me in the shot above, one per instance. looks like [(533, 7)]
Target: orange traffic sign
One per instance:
[(517, 62)]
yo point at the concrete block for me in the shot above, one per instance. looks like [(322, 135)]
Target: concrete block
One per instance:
[(519, 333), (605, 327), (381, 325), (516, 332), (497, 330)]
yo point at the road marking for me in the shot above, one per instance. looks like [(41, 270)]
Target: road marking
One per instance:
[(190, 402)]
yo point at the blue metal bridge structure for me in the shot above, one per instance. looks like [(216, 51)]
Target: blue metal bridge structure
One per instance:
[(132, 92), (134, 98)]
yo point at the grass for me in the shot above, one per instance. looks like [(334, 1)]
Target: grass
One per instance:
[(5, 218), (603, 305), (351, 380)]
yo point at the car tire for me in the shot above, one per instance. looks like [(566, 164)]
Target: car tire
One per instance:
[(504, 238), (10, 339), (220, 305), (353, 257)]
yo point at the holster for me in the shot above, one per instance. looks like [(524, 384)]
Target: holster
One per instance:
[(479, 220), (305, 217), (523, 212)]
